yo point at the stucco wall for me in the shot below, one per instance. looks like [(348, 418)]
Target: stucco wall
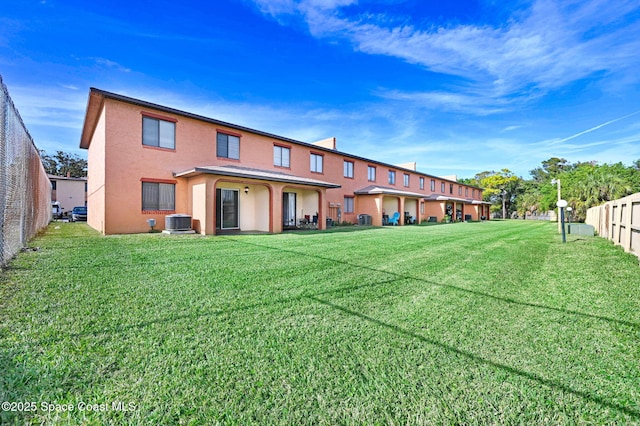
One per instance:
[(117, 169), (96, 175)]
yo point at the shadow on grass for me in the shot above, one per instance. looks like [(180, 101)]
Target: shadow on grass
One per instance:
[(453, 287), (480, 360), (318, 298), (546, 382)]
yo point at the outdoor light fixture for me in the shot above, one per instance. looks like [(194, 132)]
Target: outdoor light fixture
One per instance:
[(246, 189), (152, 223), (569, 210), (557, 182), (561, 205)]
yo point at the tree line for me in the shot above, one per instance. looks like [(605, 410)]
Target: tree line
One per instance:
[(583, 185), (64, 164)]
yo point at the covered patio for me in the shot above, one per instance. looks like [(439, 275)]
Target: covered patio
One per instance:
[(382, 202), (231, 199), (456, 209)]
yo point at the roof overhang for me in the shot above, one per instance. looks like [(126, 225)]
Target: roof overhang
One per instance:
[(97, 99), (455, 199), (248, 173), (377, 190), (94, 108)]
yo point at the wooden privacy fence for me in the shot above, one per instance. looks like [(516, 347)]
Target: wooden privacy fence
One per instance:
[(619, 221)]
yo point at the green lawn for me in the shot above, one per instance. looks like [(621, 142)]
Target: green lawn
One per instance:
[(474, 323)]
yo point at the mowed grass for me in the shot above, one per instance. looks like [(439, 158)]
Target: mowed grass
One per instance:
[(478, 323)]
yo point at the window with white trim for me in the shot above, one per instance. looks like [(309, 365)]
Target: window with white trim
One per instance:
[(406, 180), (228, 146), (371, 174), (421, 183), (348, 169), (158, 133), (433, 185), (158, 196), (316, 161), (392, 177), (281, 156), (348, 205)]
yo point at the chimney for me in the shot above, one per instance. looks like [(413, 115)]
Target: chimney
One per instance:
[(327, 143)]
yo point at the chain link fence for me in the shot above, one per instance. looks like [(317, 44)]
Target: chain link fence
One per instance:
[(25, 190)]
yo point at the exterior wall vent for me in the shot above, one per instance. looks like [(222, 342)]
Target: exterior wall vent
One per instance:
[(177, 222)]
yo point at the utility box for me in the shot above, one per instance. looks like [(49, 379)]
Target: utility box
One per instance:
[(581, 229)]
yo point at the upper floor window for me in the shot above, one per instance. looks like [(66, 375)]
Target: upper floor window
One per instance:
[(316, 163), (474, 193), (442, 186), (406, 179), (459, 190), (54, 184), (421, 183), (466, 192), (159, 133), (371, 174), (348, 169), (433, 185), (228, 146), (281, 156), (392, 177), (450, 188), (158, 196)]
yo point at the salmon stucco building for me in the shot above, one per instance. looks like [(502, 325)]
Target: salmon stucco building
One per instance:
[(68, 192), (149, 161)]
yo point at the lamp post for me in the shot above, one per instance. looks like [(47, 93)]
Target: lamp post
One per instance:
[(561, 205), (557, 182)]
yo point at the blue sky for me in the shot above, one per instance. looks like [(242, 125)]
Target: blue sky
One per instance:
[(459, 87)]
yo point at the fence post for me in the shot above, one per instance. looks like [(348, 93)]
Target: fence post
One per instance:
[(3, 168), (620, 221)]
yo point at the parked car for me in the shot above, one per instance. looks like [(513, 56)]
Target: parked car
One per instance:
[(79, 213), (56, 211)]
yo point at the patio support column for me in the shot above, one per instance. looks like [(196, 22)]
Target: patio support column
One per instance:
[(210, 207), (276, 218), (322, 216)]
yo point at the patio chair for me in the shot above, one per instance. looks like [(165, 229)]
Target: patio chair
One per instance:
[(393, 220)]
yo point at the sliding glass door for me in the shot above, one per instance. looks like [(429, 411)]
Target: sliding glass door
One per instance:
[(227, 209), (289, 209)]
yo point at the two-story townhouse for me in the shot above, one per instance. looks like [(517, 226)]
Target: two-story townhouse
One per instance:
[(149, 161)]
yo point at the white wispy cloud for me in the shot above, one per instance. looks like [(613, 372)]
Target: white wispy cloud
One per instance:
[(107, 63), (55, 106), (593, 129), (546, 47)]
